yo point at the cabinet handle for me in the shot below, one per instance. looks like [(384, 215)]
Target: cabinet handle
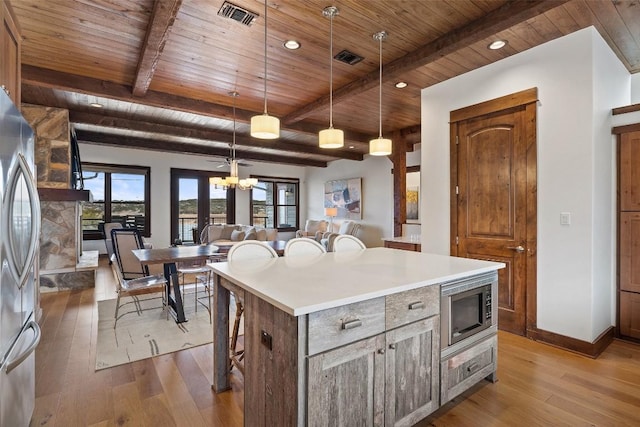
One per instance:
[(352, 324), (518, 248), (416, 305), (381, 351), (472, 367), (392, 346)]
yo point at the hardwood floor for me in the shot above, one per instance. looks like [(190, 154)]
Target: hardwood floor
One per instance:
[(538, 385)]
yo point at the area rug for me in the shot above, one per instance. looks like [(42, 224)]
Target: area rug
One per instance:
[(148, 333)]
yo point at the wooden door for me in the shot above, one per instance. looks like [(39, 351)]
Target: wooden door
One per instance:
[(630, 171), (412, 372), (493, 205)]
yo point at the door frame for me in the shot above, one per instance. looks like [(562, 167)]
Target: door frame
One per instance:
[(528, 99), (203, 194)]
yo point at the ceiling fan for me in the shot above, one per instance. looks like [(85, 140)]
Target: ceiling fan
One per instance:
[(227, 163)]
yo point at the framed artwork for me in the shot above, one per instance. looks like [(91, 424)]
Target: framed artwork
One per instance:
[(345, 195), (413, 204), (413, 196)]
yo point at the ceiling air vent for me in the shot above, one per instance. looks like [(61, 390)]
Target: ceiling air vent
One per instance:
[(348, 57), (243, 16)]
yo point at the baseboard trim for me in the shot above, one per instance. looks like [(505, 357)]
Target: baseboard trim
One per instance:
[(592, 350)]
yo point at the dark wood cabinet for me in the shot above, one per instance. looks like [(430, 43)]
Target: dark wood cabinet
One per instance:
[(10, 43), (629, 233)]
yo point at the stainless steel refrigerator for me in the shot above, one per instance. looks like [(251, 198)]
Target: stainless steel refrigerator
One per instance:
[(19, 232)]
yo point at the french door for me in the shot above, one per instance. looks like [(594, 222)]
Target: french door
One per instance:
[(195, 202)]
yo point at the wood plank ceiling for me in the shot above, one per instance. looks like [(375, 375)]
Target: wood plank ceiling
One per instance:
[(162, 70)]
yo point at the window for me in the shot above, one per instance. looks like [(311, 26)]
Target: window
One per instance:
[(120, 194), (274, 203)]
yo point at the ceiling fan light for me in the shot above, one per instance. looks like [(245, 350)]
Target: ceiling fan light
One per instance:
[(232, 180), (215, 180), (265, 126), (331, 138), (380, 147), (252, 181)]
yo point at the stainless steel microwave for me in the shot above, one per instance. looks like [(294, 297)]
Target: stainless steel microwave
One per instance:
[(467, 308)]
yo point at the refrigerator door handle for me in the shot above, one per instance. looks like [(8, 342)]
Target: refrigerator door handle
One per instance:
[(14, 362)]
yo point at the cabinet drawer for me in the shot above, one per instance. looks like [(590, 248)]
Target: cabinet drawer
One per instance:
[(406, 307), (461, 371), (342, 325)]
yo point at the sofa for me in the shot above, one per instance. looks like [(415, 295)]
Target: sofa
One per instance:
[(230, 233)]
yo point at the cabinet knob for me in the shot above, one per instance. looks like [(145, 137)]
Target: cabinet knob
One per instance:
[(392, 346), (381, 351)]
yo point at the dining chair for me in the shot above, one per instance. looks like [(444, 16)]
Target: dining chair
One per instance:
[(244, 251), (303, 246), (202, 279), (347, 242), (106, 232), (125, 240), (134, 288)]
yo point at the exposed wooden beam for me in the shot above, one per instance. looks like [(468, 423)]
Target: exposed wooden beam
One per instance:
[(206, 135), (399, 158), (162, 19), (42, 77), (504, 17), (183, 148)]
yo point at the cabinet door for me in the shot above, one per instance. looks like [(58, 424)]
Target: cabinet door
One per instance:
[(630, 250), (346, 385), (629, 171), (10, 55), (412, 377), (630, 314)]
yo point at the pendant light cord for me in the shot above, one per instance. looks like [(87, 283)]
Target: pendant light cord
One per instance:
[(331, 72), (380, 91), (265, 57)]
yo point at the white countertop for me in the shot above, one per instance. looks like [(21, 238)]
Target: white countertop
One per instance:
[(300, 285)]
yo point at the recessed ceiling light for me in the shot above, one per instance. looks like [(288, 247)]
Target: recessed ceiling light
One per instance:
[(96, 105), (401, 85), (292, 44), (498, 44)]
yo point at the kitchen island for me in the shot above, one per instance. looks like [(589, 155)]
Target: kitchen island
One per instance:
[(348, 338)]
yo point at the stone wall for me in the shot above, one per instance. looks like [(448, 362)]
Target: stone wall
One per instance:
[(52, 147)]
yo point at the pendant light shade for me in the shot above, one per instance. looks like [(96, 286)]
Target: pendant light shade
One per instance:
[(330, 138), (265, 126), (380, 146)]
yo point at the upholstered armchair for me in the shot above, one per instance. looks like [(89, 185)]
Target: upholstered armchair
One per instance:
[(313, 229), (347, 227)]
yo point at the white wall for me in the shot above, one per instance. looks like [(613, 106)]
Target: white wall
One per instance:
[(377, 193), (574, 170), (635, 89), (161, 164)]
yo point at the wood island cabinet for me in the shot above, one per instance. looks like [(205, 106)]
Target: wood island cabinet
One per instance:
[(10, 43), (374, 363), (629, 234)]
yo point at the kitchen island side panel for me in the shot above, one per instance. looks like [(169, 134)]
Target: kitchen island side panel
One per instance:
[(271, 365)]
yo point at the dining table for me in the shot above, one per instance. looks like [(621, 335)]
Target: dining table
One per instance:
[(169, 257)]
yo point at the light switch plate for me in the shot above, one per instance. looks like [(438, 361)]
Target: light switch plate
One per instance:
[(565, 218)]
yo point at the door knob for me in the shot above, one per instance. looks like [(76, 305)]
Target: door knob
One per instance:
[(518, 248)]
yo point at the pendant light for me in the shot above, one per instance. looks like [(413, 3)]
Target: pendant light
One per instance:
[(331, 138), (233, 179), (265, 126), (380, 146)]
